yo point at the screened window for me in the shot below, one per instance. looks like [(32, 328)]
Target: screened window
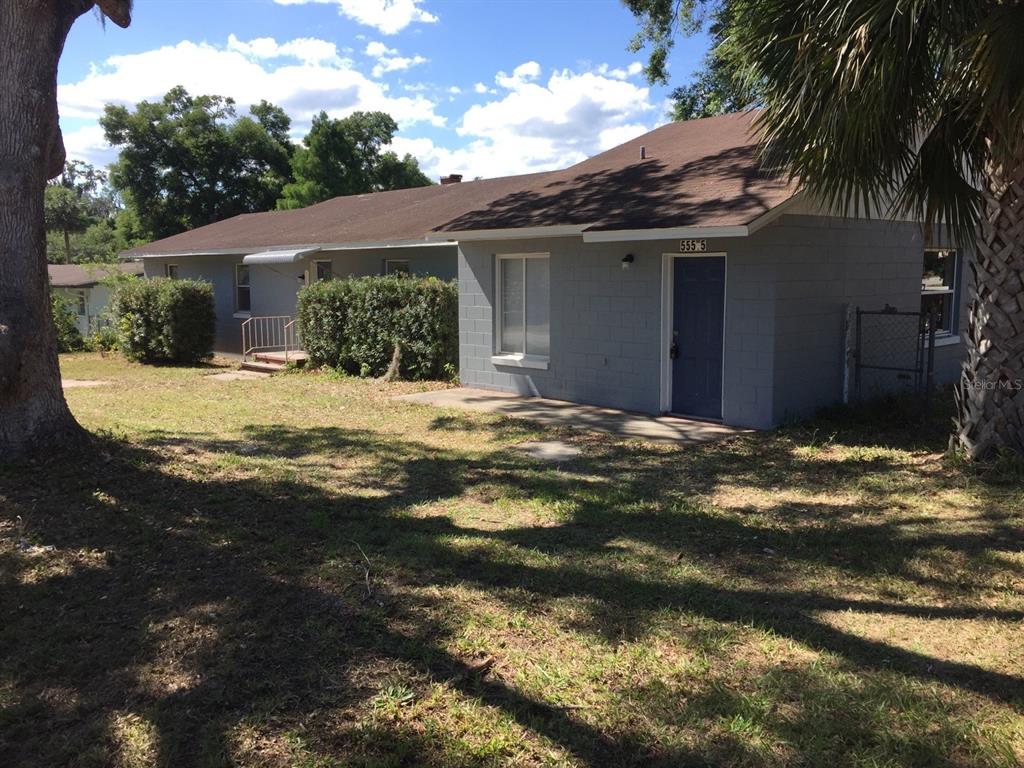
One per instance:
[(939, 288), (524, 312), (397, 267), (171, 271), (324, 270), (243, 296), (80, 303)]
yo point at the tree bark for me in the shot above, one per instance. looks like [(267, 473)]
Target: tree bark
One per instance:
[(990, 398), (33, 412)]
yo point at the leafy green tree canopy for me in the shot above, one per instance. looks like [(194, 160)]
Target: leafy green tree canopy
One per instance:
[(65, 211), (344, 157), (722, 84), (79, 209), (187, 160)]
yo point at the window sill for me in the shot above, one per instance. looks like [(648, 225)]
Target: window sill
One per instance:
[(946, 341), (242, 315), (521, 361)]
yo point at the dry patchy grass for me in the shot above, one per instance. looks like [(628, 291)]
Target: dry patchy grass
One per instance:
[(191, 590)]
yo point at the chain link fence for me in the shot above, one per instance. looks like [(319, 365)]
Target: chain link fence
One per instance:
[(893, 352)]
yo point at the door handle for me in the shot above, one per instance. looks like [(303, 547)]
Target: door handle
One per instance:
[(673, 351)]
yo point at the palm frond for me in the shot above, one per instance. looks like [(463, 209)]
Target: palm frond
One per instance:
[(942, 183), (868, 102), (996, 50)]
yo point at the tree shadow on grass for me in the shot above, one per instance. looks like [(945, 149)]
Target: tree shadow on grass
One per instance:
[(205, 604)]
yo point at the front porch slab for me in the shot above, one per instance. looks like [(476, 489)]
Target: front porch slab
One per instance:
[(559, 413)]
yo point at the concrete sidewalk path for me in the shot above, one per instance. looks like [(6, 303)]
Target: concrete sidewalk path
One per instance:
[(559, 413)]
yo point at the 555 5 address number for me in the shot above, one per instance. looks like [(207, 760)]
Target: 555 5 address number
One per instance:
[(693, 246)]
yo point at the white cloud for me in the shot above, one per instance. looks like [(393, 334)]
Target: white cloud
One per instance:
[(87, 143), (387, 16), (377, 49), (525, 72), (620, 134), (388, 59), (531, 120), (538, 126), (621, 73), (302, 76), (306, 49)]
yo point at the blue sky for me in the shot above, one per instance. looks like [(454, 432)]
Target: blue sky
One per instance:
[(484, 88)]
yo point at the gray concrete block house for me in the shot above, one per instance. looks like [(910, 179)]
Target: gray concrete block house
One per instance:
[(670, 274)]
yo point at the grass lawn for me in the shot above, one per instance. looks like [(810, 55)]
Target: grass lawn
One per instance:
[(193, 590)]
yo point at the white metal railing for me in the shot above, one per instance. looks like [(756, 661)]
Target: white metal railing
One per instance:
[(277, 333)]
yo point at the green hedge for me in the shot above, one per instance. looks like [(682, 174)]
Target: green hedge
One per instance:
[(69, 338), (353, 325), (160, 320)]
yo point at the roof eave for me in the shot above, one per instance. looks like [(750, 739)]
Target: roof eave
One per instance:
[(510, 233), (363, 246), (666, 233), (673, 233)]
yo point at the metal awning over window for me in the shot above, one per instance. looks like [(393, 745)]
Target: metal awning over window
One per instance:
[(279, 257)]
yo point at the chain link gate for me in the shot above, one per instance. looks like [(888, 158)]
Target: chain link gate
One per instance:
[(898, 343)]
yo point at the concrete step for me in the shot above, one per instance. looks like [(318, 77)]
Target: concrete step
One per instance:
[(263, 367), (297, 358)]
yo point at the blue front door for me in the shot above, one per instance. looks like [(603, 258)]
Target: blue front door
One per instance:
[(697, 325)]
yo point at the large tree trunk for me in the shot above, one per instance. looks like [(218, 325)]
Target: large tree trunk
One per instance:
[(33, 413), (991, 394)]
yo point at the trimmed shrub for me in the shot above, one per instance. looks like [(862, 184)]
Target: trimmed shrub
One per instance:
[(69, 338), (354, 325), (165, 321), (104, 338)]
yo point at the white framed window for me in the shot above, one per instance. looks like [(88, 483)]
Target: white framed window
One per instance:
[(171, 271), (324, 270), (243, 293), (940, 288), (81, 304), (397, 267), (523, 289)]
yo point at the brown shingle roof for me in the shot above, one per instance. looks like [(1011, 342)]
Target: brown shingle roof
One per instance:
[(700, 172), (696, 173), (404, 214), (85, 275)]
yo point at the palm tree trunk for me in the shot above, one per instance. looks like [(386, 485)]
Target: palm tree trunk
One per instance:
[(33, 412), (991, 395)]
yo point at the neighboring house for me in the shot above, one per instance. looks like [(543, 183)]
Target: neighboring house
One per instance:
[(669, 274), (258, 262), (82, 286)]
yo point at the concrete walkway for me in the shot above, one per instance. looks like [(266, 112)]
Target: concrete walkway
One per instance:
[(559, 413)]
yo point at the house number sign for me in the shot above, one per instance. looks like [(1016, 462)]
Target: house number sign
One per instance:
[(693, 246)]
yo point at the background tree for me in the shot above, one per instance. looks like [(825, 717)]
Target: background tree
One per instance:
[(65, 211), (102, 241), (33, 412), (186, 161), (394, 172), (721, 84), (78, 202), (344, 157), (916, 108)]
